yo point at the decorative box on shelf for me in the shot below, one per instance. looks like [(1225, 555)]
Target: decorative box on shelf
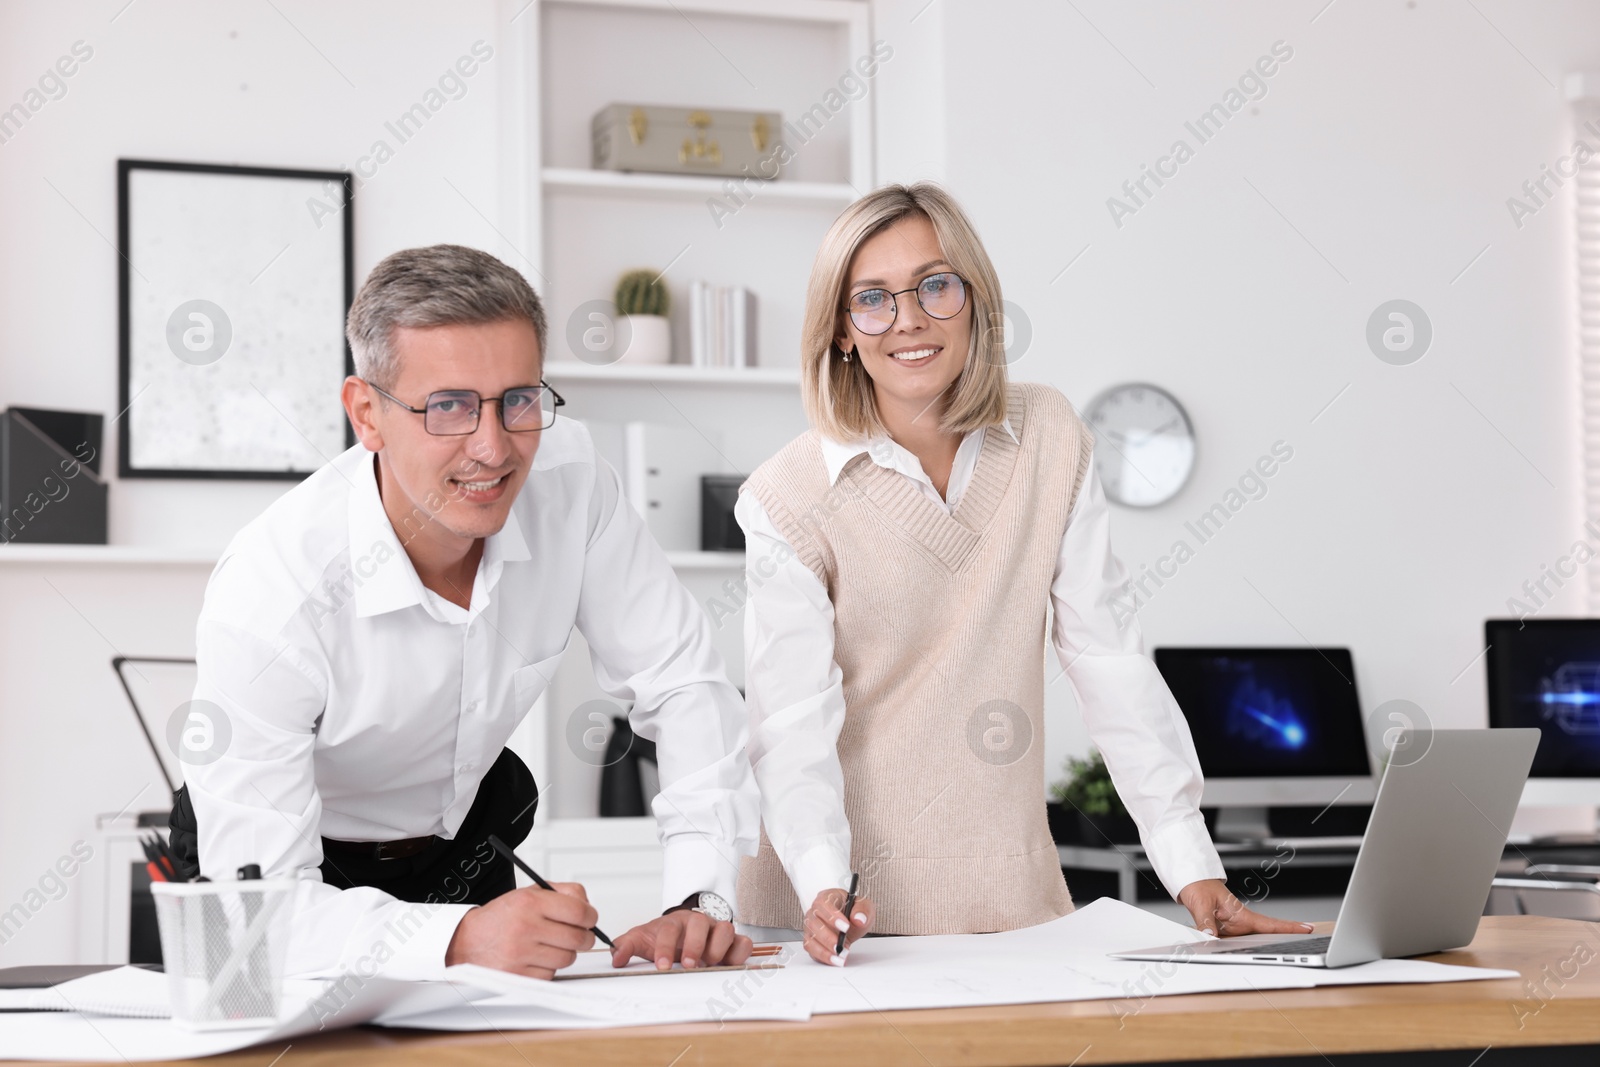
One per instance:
[(681, 140)]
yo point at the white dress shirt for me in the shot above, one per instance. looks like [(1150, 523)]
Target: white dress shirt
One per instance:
[(794, 688), (361, 706)]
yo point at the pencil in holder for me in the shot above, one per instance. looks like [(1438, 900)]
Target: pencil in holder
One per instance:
[(223, 946)]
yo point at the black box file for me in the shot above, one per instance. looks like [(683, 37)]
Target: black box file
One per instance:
[(51, 491)]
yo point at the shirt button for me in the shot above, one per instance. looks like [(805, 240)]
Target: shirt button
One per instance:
[(468, 766), (473, 706)]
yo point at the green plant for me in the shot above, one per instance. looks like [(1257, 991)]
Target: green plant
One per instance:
[(642, 292), (1088, 787)]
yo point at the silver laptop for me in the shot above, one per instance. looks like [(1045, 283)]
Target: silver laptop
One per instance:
[(1438, 828)]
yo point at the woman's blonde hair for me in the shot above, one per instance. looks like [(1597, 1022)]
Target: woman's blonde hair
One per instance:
[(838, 394)]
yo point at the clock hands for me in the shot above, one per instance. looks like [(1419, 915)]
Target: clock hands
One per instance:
[(1134, 441)]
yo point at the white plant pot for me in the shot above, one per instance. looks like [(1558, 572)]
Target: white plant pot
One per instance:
[(650, 339)]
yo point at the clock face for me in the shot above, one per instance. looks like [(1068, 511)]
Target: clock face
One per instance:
[(1144, 444)]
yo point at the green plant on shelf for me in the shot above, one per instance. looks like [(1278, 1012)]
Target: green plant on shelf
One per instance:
[(1088, 787), (642, 292)]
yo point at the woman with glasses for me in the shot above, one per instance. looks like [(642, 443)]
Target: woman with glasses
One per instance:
[(902, 557)]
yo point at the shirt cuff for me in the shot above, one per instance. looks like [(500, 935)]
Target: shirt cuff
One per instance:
[(691, 863), (1182, 853), (419, 950), (816, 869)]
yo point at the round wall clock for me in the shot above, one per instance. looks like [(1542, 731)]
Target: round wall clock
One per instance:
[(1144, 443)]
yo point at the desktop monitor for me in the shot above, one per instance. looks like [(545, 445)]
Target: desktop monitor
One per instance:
[(1545, 673), (1272, 726)]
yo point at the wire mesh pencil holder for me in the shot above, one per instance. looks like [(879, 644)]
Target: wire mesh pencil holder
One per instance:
[(223, 947)]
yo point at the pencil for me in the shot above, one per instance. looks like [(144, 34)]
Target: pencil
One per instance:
[(500, 847), (849, 903)]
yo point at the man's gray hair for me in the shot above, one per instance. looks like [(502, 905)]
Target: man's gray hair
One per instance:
[(441, 285)]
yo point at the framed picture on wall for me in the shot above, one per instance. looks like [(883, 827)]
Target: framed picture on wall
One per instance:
[(234, 286)]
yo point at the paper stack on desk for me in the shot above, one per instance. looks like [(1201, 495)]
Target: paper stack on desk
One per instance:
[(1058, 961)]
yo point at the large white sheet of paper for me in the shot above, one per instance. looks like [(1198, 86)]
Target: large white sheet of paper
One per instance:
[(1058, 961), (646, 998), (115, 1035), (1068, 960)]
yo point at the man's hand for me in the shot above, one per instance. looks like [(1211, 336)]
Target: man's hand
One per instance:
[(1217, 911), (526, 931), (826, 921), (691, 936)]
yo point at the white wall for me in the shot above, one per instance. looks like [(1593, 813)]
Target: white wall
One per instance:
[(224, 83), (233, 83), (1390, 142)]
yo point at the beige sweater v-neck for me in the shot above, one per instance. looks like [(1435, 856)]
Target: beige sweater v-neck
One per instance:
[(939, 631)]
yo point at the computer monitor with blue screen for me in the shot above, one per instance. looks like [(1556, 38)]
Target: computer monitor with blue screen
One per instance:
[(1272, 726), (1546, 673)]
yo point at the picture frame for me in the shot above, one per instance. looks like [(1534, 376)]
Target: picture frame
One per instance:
[(233, 287)]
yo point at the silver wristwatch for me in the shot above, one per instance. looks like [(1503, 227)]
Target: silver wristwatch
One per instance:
[(714, 907)]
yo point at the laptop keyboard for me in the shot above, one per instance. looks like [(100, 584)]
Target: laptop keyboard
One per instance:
[(1309, 946)]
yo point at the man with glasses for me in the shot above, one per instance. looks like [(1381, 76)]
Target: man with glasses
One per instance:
[(369, 643)]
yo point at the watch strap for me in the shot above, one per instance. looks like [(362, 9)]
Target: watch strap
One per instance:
[(690, 902)]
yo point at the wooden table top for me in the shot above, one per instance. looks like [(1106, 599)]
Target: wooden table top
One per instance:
[(1557, 1002)]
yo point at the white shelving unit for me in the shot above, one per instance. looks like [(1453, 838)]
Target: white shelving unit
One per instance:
[(570, 370), (707, 561), (105, 554), (693, 187), (582, 228)]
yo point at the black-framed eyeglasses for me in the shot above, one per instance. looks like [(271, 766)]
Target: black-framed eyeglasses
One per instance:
[(454, 412), (941, 295)]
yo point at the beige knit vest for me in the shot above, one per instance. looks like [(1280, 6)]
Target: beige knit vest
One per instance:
[(939, 630)]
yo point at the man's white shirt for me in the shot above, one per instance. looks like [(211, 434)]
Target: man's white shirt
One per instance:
[(358, 705)]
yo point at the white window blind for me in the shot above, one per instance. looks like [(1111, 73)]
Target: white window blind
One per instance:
[(1586, 221)]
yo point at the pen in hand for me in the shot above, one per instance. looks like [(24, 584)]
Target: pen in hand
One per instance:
[(849, 905), (501, 847)]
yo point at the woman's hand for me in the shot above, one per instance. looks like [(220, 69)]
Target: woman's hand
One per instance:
[(1218, 911), (826, 921)]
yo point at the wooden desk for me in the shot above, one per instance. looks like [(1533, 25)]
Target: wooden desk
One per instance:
[(1557, 1004)]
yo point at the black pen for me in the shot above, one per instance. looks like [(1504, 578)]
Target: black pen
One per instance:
[(500, 847), (849, 902)]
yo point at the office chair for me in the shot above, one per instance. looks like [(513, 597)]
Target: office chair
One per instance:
[(1554, 890)]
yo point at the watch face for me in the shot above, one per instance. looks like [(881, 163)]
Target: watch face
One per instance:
[(1144, 444), (715, 907)]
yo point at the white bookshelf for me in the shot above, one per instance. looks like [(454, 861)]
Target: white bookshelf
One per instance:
[(585, 227), (582, 228), (557, 371), (133, 555), (694, 187), (707, 561)]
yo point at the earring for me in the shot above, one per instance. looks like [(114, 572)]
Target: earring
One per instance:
[(846, 355), (854, 351)]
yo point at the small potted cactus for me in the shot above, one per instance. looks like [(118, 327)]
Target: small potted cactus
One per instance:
[(643, 298)]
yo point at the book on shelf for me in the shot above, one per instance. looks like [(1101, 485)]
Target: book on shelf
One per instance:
[(722, 325)]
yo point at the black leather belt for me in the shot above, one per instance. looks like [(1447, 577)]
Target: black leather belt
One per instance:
[(380, 850)]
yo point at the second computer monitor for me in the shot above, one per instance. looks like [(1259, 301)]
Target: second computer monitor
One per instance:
[(1272, 725), (1546, 673)]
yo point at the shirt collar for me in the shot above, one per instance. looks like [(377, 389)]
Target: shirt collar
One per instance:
[(882, 450), (385, 578), (507, 546)]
